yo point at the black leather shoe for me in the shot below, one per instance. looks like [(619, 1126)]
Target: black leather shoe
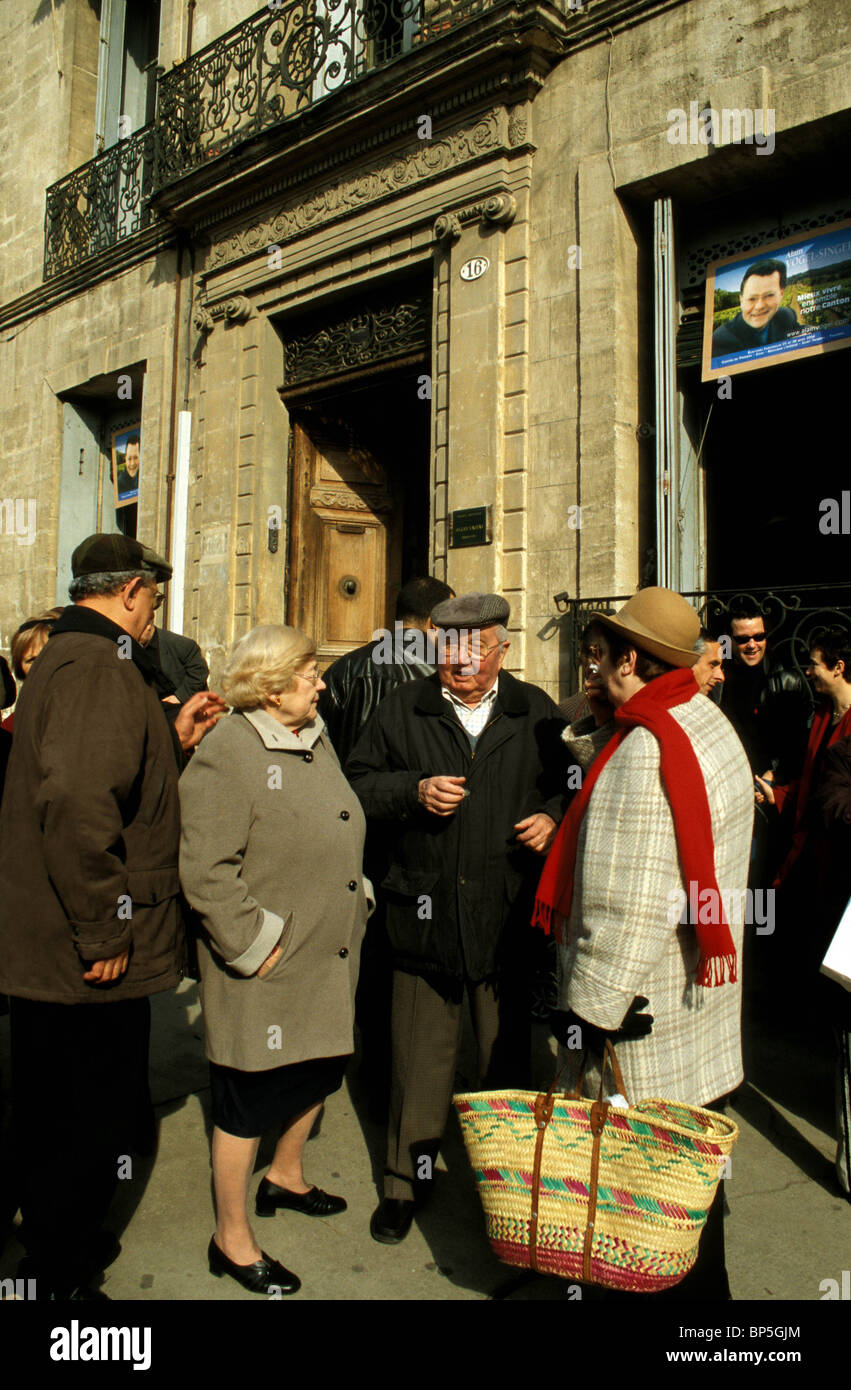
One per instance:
[(391, 1221), (263, 1276), (270, 1198)]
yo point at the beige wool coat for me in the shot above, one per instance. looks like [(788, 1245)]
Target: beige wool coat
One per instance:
[(271, 853), (624, 935)]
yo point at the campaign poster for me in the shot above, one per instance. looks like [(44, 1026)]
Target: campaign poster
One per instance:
[(126, 464), (787, 299)]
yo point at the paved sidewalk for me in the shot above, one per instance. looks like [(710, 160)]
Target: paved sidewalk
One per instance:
[(788, 1227)]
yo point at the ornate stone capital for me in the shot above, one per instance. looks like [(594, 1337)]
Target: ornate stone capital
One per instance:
[(498, 209), (447, 227), (235, 309)]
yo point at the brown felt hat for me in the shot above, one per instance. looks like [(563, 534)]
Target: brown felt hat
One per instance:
[(660, 622)]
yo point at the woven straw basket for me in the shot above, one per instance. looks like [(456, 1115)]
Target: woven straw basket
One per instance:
[(591, 1192)]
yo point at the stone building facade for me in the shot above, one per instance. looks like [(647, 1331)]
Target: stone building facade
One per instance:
[(399, 287)]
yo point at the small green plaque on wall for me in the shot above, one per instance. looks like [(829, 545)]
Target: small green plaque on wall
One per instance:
[(470, 526)]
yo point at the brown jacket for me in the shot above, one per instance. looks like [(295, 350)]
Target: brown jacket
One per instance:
[(271, 853), (89, 829)]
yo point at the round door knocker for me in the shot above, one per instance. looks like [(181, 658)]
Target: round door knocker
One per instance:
[(349, 586)]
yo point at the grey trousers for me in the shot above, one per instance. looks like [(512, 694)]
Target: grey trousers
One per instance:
[(426, 1036)]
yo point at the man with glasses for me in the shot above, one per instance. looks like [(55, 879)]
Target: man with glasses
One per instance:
[(768, 708), (90, 921), (765, 703), (463, 772)]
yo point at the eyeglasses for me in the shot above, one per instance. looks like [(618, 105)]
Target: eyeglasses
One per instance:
[(754, 637), (476, 653), (158, 600), (314, 678)]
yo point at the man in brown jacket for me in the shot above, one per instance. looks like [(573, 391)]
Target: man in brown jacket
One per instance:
[(89, 915)]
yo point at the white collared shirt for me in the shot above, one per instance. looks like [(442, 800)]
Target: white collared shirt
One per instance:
[(473, 717)]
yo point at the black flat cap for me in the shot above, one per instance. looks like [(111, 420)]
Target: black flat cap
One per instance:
[(472, 610), (112, 553)]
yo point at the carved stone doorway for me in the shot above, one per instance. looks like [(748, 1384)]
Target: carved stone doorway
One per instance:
[(359, 507)]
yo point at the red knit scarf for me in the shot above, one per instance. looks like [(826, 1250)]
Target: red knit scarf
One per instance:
[(686, 791)]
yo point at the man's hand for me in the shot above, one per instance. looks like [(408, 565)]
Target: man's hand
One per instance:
[(538, 832), (103, 972), (197, 717), (441, 795), (269, 962)]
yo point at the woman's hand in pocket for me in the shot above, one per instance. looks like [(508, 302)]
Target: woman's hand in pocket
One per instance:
[(269, 962)]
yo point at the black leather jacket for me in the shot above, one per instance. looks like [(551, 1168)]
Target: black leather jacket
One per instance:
[(356, 685), (769, 709)]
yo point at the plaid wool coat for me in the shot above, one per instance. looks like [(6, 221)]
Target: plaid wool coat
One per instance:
[(624, 934)]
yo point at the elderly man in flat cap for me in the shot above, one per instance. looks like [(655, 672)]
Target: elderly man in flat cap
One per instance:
[(645, 885), (464, 770), (89, 916)]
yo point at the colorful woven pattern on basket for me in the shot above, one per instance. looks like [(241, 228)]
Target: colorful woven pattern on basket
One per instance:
[(659, 1167)]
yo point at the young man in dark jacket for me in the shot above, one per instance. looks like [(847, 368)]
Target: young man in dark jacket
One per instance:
[(355, 684), (465, 772), (89, 917)]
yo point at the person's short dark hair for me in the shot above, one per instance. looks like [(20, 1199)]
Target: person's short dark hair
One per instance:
[(765, 268), (834, 644), (744, 610), (131, 439), (419, 596), (647, 667)]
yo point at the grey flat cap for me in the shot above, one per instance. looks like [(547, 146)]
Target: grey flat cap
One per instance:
[(471, 610)]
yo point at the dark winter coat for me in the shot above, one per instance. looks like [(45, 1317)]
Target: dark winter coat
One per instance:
[(89, 829), (459, 890), (356, 684), (181, 662)]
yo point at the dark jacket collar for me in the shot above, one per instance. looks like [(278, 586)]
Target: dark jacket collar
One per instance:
[(78, 618), (511, 697)]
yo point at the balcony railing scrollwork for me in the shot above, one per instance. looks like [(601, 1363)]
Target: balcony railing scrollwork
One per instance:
[(275, 65), (100, 203), (793, 615), (280, 62)]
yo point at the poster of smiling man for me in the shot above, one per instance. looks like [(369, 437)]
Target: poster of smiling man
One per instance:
[(126, 464), (787, 299)]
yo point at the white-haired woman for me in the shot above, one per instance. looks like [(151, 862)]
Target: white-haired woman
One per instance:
[(271, 860)]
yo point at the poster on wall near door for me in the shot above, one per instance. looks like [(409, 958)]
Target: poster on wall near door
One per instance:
[(784, 300), (126, 464)]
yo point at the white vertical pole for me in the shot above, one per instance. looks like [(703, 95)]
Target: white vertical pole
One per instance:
[(179, 521), (664, 304)]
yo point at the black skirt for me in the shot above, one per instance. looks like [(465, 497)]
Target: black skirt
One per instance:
[(247, 1103)]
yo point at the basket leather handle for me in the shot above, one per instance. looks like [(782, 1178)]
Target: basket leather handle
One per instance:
[(610, 1056), (543, 1114)]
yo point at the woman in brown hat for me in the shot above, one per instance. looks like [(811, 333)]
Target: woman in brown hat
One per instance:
[(664, 816)]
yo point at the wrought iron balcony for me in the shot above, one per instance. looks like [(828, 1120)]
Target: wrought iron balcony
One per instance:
[(793, 615), (99, 204), (281, 61)]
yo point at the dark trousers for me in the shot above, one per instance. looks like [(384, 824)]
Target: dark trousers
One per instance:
[(426, 1037), (80, 1101)]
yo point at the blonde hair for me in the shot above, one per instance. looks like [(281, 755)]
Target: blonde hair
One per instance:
[(263, 663)]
